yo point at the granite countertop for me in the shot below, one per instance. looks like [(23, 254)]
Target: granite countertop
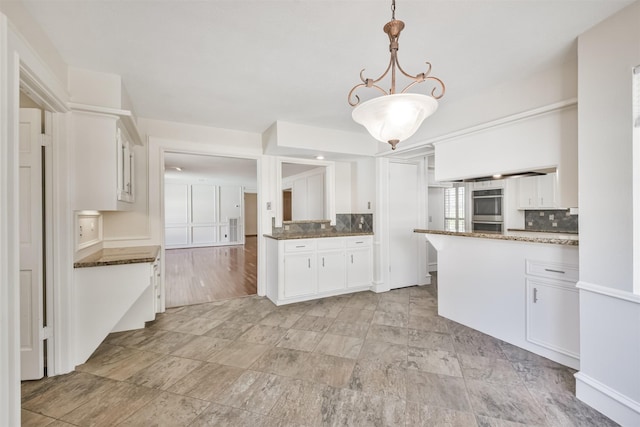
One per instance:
[(538, 231), (518, 236), (293, 236), (119, 256)]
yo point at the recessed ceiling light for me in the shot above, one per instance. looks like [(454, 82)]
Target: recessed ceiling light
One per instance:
[(319, 157), (497, 176), (179, 169)]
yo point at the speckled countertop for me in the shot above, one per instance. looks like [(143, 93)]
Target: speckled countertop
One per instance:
[(519, 236), (119, 256), (293, 236)]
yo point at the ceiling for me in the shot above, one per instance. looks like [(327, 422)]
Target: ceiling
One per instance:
[(220, 170), (245, 64)]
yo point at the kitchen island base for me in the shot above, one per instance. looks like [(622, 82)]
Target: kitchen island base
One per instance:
[(520, 292)]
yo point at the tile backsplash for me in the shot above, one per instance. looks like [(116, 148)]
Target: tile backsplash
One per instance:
[(551, 220), (344, 223)]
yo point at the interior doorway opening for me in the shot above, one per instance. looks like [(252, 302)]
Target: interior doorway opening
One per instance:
[(210, 222)]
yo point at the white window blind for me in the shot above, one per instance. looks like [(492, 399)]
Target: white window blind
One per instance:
[(454, 209), (636, 96)]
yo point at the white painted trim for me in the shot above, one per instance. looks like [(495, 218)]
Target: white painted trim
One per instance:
[(611, 403), (9, 246), (422, 145), (127, 117), (344, 291), (609, 292), (157, 147), (381, 226)]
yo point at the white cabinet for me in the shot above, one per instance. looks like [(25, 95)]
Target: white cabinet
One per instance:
[(489, 183), (537, 192), (331, 266), (300, 275), (126, 166), (359, 261), (304, 269), (104, 162), (553, 311)]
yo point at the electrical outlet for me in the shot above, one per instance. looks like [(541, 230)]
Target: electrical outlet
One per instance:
[(286, 228), (93, 226), (360, 226), (268, 206), (554, 224), (368, 205), (323, 226), (552, 217), (530, 223), (541, 213)]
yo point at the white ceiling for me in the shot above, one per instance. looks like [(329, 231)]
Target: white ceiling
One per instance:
[(213, 169), (245, 64)]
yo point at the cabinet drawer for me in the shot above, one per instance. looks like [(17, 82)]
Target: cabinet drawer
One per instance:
[(300, 245), (329, 243), (360, 241), (552, 270)]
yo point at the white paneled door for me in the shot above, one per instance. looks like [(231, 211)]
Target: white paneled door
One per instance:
[(403, 218), (31, 246)]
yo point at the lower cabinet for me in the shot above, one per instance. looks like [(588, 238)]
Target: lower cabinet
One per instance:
[(553, 309), (304, 269)]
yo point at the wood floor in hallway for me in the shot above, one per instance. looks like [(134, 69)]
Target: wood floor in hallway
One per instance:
[(200, 275)]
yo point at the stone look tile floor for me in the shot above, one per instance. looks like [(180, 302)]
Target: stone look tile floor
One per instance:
[(364, 359)]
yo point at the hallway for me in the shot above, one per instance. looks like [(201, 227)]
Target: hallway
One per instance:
[(200, 275)]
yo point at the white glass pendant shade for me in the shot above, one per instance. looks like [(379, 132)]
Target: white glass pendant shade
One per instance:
[(394, 117)]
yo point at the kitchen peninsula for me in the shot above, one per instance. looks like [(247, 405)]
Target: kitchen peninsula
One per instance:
[(518, 287)]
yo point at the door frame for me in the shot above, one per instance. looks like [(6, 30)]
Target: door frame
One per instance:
[(382, 220), (21, 67), (157, 149)]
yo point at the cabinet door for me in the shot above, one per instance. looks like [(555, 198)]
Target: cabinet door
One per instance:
[(527, 192), (332, 273), (547, 191), (359, 267), (553, 318), (300, 274)]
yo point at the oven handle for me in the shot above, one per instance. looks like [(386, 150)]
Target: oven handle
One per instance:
[(487, 197)]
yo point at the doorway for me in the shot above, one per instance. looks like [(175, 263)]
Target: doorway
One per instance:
[(210, 222)]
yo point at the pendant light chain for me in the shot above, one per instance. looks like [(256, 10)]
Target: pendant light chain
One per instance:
[(393, 10)]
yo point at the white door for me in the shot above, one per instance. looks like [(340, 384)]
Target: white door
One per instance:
[(403, 218), (31, 251)]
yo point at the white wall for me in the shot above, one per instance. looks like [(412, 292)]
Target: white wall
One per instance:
[(609, 379), (363, 185), (521, 93), (343, 187)]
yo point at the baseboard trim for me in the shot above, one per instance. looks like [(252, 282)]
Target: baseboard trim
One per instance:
[(618, 407)]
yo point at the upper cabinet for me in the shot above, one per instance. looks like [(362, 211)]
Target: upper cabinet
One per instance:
[(104, 160), (538, 192)]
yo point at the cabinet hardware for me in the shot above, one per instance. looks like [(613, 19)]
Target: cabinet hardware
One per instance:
[(309, 262), (535, 295), (323, 261), (351, 258), (550, 270), (359, 243), (300, 246)]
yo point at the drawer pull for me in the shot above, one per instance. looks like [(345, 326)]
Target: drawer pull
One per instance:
[(351, 258), (309, 262), (550, 270), (323, 261), (535, 295), (301, 246), (359, 243)]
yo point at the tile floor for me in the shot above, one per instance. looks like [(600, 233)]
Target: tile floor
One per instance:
[(358, 360)]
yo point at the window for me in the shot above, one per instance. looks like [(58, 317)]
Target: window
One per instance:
[(454, 209)]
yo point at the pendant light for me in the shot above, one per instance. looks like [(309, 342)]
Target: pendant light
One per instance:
[(395, 116)]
